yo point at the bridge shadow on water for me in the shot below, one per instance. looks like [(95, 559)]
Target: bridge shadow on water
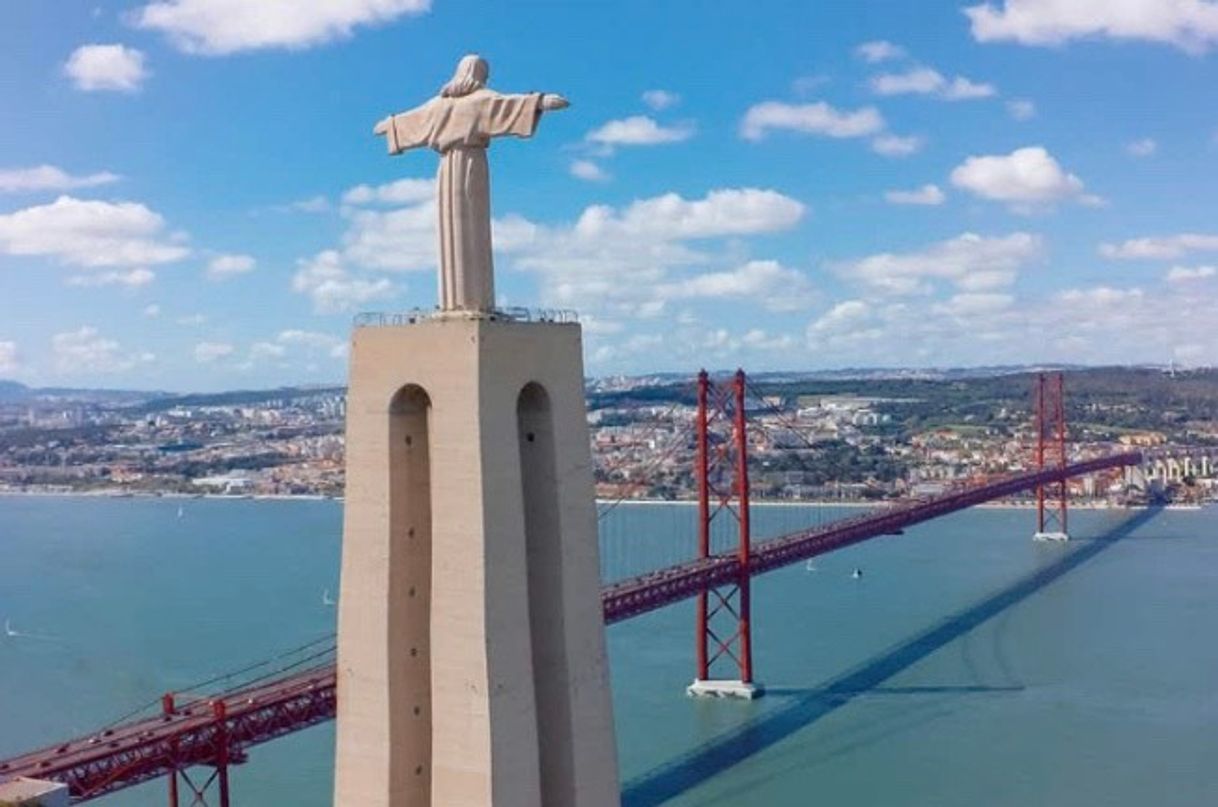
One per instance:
[(806, 706)]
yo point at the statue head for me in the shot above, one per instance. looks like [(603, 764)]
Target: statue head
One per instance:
[(472, 73)]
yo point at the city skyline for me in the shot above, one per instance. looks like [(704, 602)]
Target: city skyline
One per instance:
[(191, 197)]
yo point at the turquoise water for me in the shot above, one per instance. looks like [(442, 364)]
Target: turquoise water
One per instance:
[(968, 666)]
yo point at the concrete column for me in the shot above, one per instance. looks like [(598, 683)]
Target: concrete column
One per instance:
[(492, 690)]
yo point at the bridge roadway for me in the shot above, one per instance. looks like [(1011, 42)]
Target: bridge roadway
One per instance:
[(205, 731)]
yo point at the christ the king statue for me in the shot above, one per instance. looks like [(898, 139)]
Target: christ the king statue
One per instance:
[(459, 123)]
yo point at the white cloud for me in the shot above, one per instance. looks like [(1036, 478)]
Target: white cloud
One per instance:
[(879, 51), (191, 320), (226, 26), (50, 178), (1099, 325), (818, 119), (610, 262), (638, 130), (8, 357), (1190, 274), (1021, 109), (970, 262), (152, 310), (1142, 148), (314, 204), (660, 100), (309, 345), (401, 239), (1026, 176), (844, 316), (132, 279), (1099, 297), (402, 192), (630, 261), (925, 195), (333, 289), (266, 350), (925, 81), (589, 171), (1165, 247), (106, 67), (223, 267), (309, 339), (85, 351), (1188, 24), (972, 304), (90, 233), (805, 85), (918, 80), (208, 352), (775, 286), (733, 211), (758, 339), (962, 89), (891, 145)]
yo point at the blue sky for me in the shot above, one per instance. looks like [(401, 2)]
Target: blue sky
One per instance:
[(191, 197)]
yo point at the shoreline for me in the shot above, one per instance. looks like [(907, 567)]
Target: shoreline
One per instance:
[(132, 494), (314, 497)]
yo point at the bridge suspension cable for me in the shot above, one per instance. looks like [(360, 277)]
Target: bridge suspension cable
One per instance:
[(200, 688)]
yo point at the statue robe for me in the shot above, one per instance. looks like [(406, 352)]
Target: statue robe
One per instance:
[(460, 129)]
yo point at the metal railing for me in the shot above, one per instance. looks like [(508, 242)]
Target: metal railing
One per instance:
[(380, 319)]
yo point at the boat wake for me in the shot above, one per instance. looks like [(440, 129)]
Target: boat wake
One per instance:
[(13, 633)]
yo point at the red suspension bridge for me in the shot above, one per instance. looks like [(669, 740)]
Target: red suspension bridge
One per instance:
[(193, 740)]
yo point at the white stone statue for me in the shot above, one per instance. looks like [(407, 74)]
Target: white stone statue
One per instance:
[(459, 123)]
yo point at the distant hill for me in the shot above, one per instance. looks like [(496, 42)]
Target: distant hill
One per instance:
[(1125, 397), (238, 397), (1156, 387), (12, 391), (15, 392)]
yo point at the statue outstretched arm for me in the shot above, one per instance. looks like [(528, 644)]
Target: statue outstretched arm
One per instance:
[(552, 100), (382, 126)]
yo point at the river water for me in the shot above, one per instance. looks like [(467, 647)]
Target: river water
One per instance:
[(969, 665)]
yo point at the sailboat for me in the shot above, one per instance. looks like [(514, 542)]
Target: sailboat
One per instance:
[(326, 599)]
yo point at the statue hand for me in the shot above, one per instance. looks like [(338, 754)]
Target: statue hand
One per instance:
[(382, 126), (552, 100)]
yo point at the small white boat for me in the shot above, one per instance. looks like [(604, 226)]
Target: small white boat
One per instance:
[(809, 566), (181, 512), (326, 599), (856, 574)]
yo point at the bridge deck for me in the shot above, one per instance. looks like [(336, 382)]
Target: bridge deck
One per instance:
[(131, 753), (134, 752), (637, 595)]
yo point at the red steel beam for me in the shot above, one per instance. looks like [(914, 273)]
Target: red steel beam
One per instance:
[(219, 730), (743, 556), (204, 732), (702, 470), (647, 592)]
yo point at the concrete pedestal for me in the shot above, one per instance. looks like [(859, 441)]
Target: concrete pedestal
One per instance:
[(725, 689), (1051, 536), (23, 792), (471, 657)]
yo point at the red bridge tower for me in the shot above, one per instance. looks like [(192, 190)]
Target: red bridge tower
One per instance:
[(722, 470), (1051, 498)]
